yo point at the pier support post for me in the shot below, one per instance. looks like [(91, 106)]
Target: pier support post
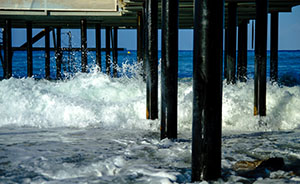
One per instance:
[(83, 45), (58, 53), (98, 46), (1, 57), (242, 51), (225, 52), (260, 57), (231, 57), (207, 89), (152, 60), (47, 53), (107, 43), (115, 52), (140, 37), (169, 69), (29, 49), (274, 47), (145, 40), (252, 34), (8, 50)]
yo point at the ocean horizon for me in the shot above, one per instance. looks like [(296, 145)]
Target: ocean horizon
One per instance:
[(286, 58)]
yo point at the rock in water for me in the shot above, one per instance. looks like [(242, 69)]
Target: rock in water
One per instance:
[(246, 165), (258, 168)]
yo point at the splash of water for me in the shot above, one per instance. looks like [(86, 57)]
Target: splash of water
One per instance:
[(94, 99)]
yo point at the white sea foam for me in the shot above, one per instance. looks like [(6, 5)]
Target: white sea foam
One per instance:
[(96, 100)]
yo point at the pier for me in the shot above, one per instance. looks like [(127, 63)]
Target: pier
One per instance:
[(209, 19)]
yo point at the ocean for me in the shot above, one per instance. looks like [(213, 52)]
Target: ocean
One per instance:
[(91, 128)]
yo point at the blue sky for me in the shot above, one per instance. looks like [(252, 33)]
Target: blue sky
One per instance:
[(289, 35)]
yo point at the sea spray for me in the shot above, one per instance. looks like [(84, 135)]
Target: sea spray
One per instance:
[(281, 107), (94, 99)]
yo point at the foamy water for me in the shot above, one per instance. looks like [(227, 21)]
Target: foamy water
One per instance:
[(97, 100), (92, 128)]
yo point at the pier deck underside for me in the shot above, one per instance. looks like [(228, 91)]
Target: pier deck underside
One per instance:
[(121, 13)]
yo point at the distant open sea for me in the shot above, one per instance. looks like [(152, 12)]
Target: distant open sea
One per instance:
[(91, 128), (288, 63)]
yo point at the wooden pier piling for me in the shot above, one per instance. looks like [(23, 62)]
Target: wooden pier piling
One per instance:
[(1, 57), (242, 51), (7, 49), (107, 44), (274, 47), (29, 49), (83, 32), (260, 57), (145, 40), (47, 52), (225, 52), (98, 45), (140, 37), (115, 52), (169, 69), (207, 90), (58, 53), (252, 34), (231, 57), (151, 60)]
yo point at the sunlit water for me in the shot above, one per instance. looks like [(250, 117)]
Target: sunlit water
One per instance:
[(91, 128)]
